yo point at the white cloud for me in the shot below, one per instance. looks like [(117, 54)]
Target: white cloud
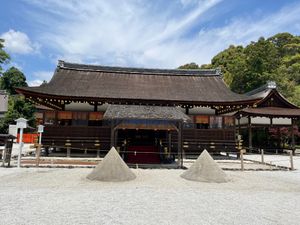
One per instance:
[(40, 76), (18, 42), (35, 83), (43, 75), (138, 33)]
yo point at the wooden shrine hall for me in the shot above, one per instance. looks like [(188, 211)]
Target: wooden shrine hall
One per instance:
[(149, 115)]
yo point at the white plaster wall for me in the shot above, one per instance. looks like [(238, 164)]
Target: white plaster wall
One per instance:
[(282, 121), (260, 120), (243, 120)]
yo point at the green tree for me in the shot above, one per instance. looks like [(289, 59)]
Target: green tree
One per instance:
[(4, 57), (246, 68), (190, 66), (17, 107), (12, 78), (232, 62)]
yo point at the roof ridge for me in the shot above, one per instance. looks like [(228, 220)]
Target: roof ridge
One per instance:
[(269, 85), (135, 70)]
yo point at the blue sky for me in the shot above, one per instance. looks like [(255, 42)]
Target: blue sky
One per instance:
[(141, 33)]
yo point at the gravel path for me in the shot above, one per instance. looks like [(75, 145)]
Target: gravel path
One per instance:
[(65, 196)]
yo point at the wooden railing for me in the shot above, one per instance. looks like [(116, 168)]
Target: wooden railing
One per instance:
[(84, 137), (81, 137)]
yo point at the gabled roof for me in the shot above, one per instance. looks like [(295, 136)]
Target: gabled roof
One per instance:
[(119, 84), (143, 112), (270, 96), (270, 112)]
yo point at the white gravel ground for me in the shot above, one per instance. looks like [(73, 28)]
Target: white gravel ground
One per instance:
[(65, 196), (279, 160)]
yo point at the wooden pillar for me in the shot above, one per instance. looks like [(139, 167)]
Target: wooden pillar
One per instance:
[(115, 137), (242, 159), (37, 155), (95, 107), (293, 136), (112, 134), (187, 110), (47, 151), (169, 141), (4, 151), (279, 138), (271, 121), (239, 125), (179, 153), (68, 152), (250, 132)]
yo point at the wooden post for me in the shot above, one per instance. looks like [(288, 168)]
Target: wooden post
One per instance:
[(250, 133), (37, 155), (187, 110), (262, 156), (112, 134), (95, 107), (291, 160), (293, 137), (239, 125), (242, 159), (169, 142), (279, 140), (68, 152), (4, 153), (115, 137), (179, 153)]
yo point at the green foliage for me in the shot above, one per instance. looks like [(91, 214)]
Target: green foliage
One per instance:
[(17, 107), (295, 97), (190, 66), (232, 64), (4, 57), (276, 58), (12, 78)]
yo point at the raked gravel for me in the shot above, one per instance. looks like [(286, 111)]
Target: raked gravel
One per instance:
[(64, 196)]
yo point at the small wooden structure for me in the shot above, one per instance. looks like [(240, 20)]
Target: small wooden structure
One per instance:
[(271, 107), (155, 118), (6, 140)]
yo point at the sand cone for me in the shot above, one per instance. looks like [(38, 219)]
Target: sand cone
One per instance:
[(205, 169), (112, 168)]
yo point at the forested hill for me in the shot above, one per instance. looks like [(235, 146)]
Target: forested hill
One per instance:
[(246, 68)]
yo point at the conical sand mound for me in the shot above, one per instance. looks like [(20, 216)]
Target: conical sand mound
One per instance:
[(112, 168), (205, 169)]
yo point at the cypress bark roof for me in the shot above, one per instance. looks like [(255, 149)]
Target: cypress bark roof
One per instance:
[(144, 112), (271, 112), (101, 82)]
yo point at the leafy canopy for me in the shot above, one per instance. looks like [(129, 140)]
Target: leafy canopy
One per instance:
[(17, 105), (11, 79), (4, 57), (246, 68)]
